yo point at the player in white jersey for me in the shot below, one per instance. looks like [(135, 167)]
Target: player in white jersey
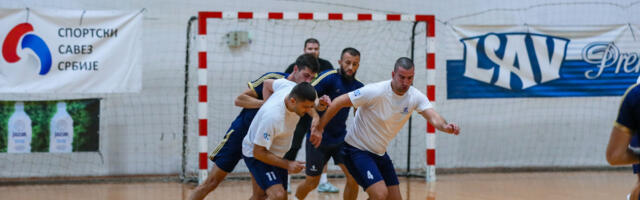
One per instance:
[(270, 134), (382, 110)]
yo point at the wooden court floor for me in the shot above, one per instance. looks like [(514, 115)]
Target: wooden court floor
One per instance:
[(604, 185)]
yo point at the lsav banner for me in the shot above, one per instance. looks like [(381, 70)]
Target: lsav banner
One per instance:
[(505, 62), (70, 51)]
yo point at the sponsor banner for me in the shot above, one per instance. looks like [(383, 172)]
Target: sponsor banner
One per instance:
[(49, 126), (70, 51), (538, 61)]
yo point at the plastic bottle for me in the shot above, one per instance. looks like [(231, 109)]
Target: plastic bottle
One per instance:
[(61, 130), (19, 131)]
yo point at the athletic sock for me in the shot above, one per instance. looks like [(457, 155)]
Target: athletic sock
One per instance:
[(323, 178)]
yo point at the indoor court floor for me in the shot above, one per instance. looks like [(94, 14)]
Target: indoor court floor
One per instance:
[(593, 185)]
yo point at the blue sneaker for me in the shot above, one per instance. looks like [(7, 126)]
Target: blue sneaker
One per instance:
[(327, 187)]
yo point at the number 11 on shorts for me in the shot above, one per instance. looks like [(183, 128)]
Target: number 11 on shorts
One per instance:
[(271, 176)]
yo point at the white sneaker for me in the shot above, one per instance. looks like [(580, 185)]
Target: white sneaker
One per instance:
[(327, 187)]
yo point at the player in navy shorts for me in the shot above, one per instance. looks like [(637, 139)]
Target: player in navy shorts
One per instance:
[(382, 110), (332, 83), (227, 154), (269, 137), (624, 132)]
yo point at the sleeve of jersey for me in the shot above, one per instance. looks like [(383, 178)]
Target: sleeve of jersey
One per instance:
[(422, 102), (256, 85), (629, 113), (277, 84), (362, 96), (266, 131)]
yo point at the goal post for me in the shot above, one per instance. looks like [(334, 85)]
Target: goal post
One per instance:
[(236, 47)]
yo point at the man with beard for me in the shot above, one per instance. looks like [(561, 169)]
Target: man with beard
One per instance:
[(311, 46), (332, 83), (229, 151)]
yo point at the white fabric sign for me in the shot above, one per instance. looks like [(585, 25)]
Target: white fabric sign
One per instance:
[(70, 51)]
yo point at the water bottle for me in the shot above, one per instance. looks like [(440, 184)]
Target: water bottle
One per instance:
[(19, 131), (61, 130)]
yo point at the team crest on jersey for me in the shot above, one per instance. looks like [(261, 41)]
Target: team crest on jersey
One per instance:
[(266, 136), (356, 93), (405, 110)]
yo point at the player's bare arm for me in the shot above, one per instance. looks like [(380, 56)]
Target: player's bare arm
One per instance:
[(335, 106), (248, 99), (262, 154), (617, 151), (440, 123), (267, 89)]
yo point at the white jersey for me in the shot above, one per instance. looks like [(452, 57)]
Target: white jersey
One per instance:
[(381, 114), (273, 125)]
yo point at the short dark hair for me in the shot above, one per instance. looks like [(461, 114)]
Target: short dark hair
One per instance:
[(352, 51), (311, 40), (307, 61), (303, 92), (404, 62)]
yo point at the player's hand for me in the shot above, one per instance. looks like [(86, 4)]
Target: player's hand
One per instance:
[(452, 129), (316, 136), (323, 102), (295, 167)]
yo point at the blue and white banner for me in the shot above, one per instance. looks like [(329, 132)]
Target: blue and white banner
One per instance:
[(70, 51), (538, 61)]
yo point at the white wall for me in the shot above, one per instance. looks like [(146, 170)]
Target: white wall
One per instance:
[(142, 133)]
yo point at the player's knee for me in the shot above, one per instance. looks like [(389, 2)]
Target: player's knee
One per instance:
[(379, 194), (313, 181), (278, 194)]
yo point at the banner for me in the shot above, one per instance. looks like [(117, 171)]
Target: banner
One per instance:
[(70, 51), (539, 61), (49, 126)]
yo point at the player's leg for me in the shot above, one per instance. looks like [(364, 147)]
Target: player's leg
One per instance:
[(270, 179), (635, 193), (225, 157), (213, 180), (257, 192), (351, 187), (377, 191), (394, 193), (276, 192), (390, 177), (634, 146), (316, 159), (325, 185), (366, 172)]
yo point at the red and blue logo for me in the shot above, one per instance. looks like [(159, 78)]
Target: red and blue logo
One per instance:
[(29, 40)]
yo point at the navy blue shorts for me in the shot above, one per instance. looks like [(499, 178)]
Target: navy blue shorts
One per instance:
[(369, 168), (227, 154), (635, 143), (317, 158), (266, 175)]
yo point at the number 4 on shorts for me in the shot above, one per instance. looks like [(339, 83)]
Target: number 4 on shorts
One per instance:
[(369, 175)]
